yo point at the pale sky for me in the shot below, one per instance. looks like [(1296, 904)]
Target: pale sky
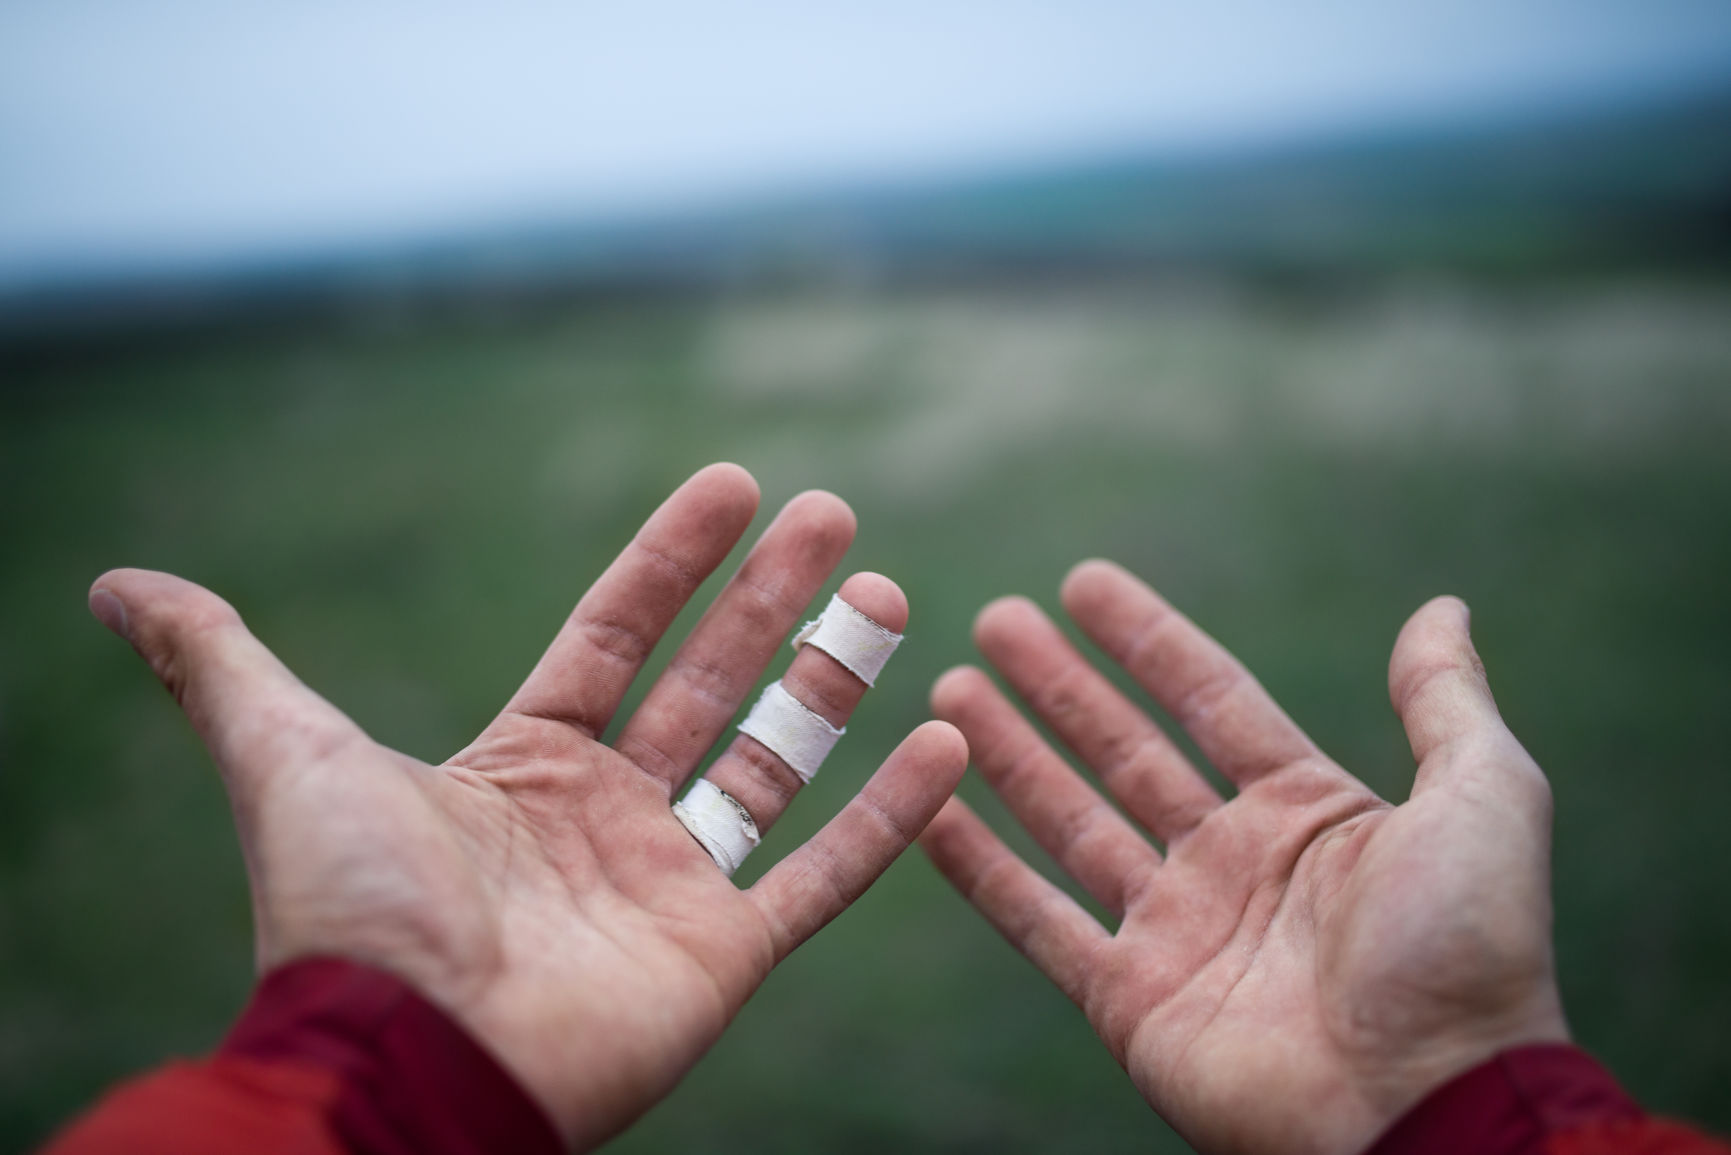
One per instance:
[(156, 134)]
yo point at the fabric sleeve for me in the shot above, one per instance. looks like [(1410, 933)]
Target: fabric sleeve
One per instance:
[(1540, 1100), (330, 1058)]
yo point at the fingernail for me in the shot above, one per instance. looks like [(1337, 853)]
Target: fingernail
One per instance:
[(109, 610)]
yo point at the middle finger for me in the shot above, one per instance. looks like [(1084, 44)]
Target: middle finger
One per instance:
[(1134, 758), (692, 701)]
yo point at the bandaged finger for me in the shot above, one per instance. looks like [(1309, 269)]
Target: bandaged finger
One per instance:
[(851, 638), (792, 731), (798, 736), (720, 823)]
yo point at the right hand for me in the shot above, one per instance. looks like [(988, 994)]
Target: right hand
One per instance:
[(1306, 961)]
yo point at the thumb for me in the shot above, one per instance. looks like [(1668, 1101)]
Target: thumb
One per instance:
[(1438, 688), (253, 714)]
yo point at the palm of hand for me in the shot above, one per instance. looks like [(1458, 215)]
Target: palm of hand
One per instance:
[(552, 903), (537, 885), (1303, 968), (1306, 961)]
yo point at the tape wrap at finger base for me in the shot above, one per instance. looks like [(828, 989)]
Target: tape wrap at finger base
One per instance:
[(720, 823)]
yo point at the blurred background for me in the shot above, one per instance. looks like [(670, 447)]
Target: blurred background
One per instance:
[(390, 323)]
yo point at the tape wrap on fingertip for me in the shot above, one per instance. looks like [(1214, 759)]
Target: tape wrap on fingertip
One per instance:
[(792, 730), (720, 823), (851, 638)]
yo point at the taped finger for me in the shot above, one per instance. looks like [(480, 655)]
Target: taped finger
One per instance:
[(720, 823), (794, 725)]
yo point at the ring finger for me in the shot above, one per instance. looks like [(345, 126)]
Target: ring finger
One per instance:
[(757, 777)]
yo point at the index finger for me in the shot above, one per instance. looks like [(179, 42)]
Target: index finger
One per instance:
[(584, 674)]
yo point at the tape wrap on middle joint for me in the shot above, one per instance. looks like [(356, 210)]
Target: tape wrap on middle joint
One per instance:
[(788, 728), (791, 730)]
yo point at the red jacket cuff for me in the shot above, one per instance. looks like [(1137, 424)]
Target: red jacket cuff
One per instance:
[(411, 1081), (1511, 1105)]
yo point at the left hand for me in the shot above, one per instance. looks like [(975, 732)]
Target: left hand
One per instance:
[(536, 885)]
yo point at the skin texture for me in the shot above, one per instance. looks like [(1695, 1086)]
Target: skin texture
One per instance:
[(1305, 961), (536, 885)]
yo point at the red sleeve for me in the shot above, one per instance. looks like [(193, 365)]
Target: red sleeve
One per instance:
[(1544, 1100), (330, 1058)]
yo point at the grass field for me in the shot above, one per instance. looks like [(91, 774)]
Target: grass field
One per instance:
[(405, 511)]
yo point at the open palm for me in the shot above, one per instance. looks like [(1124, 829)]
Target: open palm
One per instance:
[(537, 885), (1305, 961)]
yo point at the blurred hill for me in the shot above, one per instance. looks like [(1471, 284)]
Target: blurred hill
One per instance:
[(1623, 188)]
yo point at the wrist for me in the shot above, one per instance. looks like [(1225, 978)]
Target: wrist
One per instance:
[(1510, 1104), (1402, 1074), (410, 1078)]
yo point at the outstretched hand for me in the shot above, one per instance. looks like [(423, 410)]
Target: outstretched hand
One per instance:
[(536, 885), (1305, 961)]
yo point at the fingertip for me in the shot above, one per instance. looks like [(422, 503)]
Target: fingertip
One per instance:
[(926, 766), (110, 581), (1436, 635), (1441, 622), (107, 607), (827, 507), (178, 627), (1438, 687), (943, 744), (1461, 609), (108, 578), (730, 487), (951, 688), (878, 598), (1447, 604), (125, 578), (1088, 580), (1002, 618), (727, 474), (148, 601)]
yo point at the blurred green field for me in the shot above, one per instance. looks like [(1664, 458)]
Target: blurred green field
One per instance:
[(406, 510)]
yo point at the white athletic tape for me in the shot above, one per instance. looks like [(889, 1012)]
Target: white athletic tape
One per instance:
[(719, 822), (851, 638), (789, 728)]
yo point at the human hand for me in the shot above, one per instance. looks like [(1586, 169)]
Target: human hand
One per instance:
[(1307, 961), (537, 885)]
